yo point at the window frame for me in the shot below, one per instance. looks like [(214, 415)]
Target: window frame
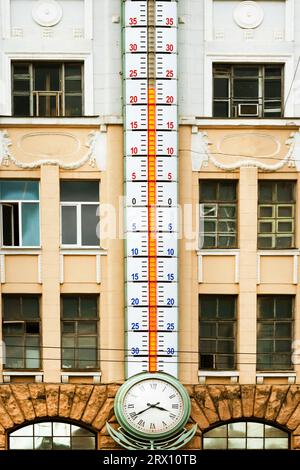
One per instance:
[(216, 339), (275, 219), (76, 336), (19, 203), (24, 336), (216, 204), (59, 94), (274, 321)]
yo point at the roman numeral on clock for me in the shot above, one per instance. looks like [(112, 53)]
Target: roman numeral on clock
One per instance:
[(141, 423), (172, 396), (133, 415), (172, 416), (175, 406), (130, 405), (152, 426), (153, 386)]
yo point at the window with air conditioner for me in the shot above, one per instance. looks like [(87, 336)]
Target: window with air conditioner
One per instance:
[(47, 89), (247, 90)]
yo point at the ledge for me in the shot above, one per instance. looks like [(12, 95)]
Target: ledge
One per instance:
[(39, 376), (232, 374), (260, 376), (96, 376)]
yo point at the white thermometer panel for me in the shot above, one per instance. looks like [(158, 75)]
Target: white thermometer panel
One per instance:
[(151, 185)]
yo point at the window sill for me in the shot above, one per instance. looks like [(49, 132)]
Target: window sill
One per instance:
[(77, 249), (232, 374), (95, 375), (291, 376), (16, 249), (8, 374)]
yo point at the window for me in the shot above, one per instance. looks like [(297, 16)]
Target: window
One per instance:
[(21, 331), (275, 332), (52, 436), (79, 206), (19, 212), (245, 435), (276, 214), (79, 332), (47, 88), (245, 90), (218, 214), (217, 331)]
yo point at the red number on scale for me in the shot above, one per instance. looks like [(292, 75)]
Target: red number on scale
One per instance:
[(169, 21), (133, 176), (170, 125), (133, 47), (169, 73), (169, 176), (169, 47), (133, 99), (170, 150), (134, 125), (169, 99), (132, 21), (132, 73), (134, 150)]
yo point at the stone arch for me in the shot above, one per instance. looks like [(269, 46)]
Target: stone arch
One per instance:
[(87, 405), (278, 405)]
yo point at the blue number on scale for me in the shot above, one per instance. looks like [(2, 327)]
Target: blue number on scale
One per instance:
[(134, 251), (170, 252), (135, 351), (135, 276), (135, 326), (135, 301), (170, 326), (171, 277), (170, 301), (170, 227), (134, 226), (170, 351)]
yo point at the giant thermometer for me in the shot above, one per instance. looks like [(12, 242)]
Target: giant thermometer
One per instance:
[(150, 110)]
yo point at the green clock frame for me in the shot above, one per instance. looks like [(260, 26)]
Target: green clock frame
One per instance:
[(139, 378)]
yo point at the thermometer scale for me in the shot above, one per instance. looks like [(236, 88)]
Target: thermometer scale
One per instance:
[(151, 177)]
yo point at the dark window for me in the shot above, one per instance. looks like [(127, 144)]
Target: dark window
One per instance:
[(79, 332), (47, 89), (217, 332), (218, 214), (276, 214), (52, 435), (21, 331), (247, 90), (79, 212), (19, 213), (275, 332), (245, 435)]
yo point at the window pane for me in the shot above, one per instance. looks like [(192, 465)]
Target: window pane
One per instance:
[(87, 327), (236, 443), (265, 330), (83, 443), (61, 429), (30, 224), (43, 443), (70, 307), (284, 242), (25, 443), (219, 431), (226, 330), (47, 77), (283, 330), (68, 327), (61, 443), (89, 222), (30, 307), (265, 346), (284, 307), (21, 105), (226, 307), (266, 307), (272, 89), (12, 307), (220, 109), (208, 190), (265, 192), (208, 307), (32, 353), (255, 429), (73, 105), (226, 212), (79, 191), (271, 431), (69, 225), (285, 211), (227, 191), (68, 352), (221, 87), (208, 330), (43, 429), (73, 86), (246, 71), (214, 443), (24, 431), (13, 328), (278, 443), (72, 71), (227, 241), (237, 429), (87, 352), (285, 191), (21, 84), (245, 88), (253, 443), (19, 190), (208, 346)]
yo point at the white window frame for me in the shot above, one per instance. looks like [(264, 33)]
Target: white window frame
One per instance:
[(88, 82), (78, 206), (16, 201), (286, 60)]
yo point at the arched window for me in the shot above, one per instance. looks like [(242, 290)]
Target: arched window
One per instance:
[(52, 435), (245, 435)]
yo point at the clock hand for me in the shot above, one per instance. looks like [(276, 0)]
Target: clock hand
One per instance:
[(160, 408), (149, 406)]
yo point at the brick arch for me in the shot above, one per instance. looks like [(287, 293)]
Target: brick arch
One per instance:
[(88, 405), (274, 404)]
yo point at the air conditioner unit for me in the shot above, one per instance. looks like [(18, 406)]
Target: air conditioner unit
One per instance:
[(247, 110)]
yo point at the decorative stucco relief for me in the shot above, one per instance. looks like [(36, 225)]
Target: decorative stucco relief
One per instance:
[(55, 144), (248, 14), (47, 12), (262, 151)]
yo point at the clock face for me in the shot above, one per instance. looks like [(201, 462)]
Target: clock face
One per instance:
[(152, 405)]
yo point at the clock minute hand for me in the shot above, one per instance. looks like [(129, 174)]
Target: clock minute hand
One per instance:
[(149, 406)]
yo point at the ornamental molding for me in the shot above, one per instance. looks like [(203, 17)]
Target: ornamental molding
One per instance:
[(95, 155), (202, 154), (248, 15), (47, 13)]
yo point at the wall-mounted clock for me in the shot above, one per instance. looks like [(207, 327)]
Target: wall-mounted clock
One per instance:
[(152, 407)]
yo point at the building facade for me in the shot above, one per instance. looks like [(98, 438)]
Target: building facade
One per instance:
[(62, 292)]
